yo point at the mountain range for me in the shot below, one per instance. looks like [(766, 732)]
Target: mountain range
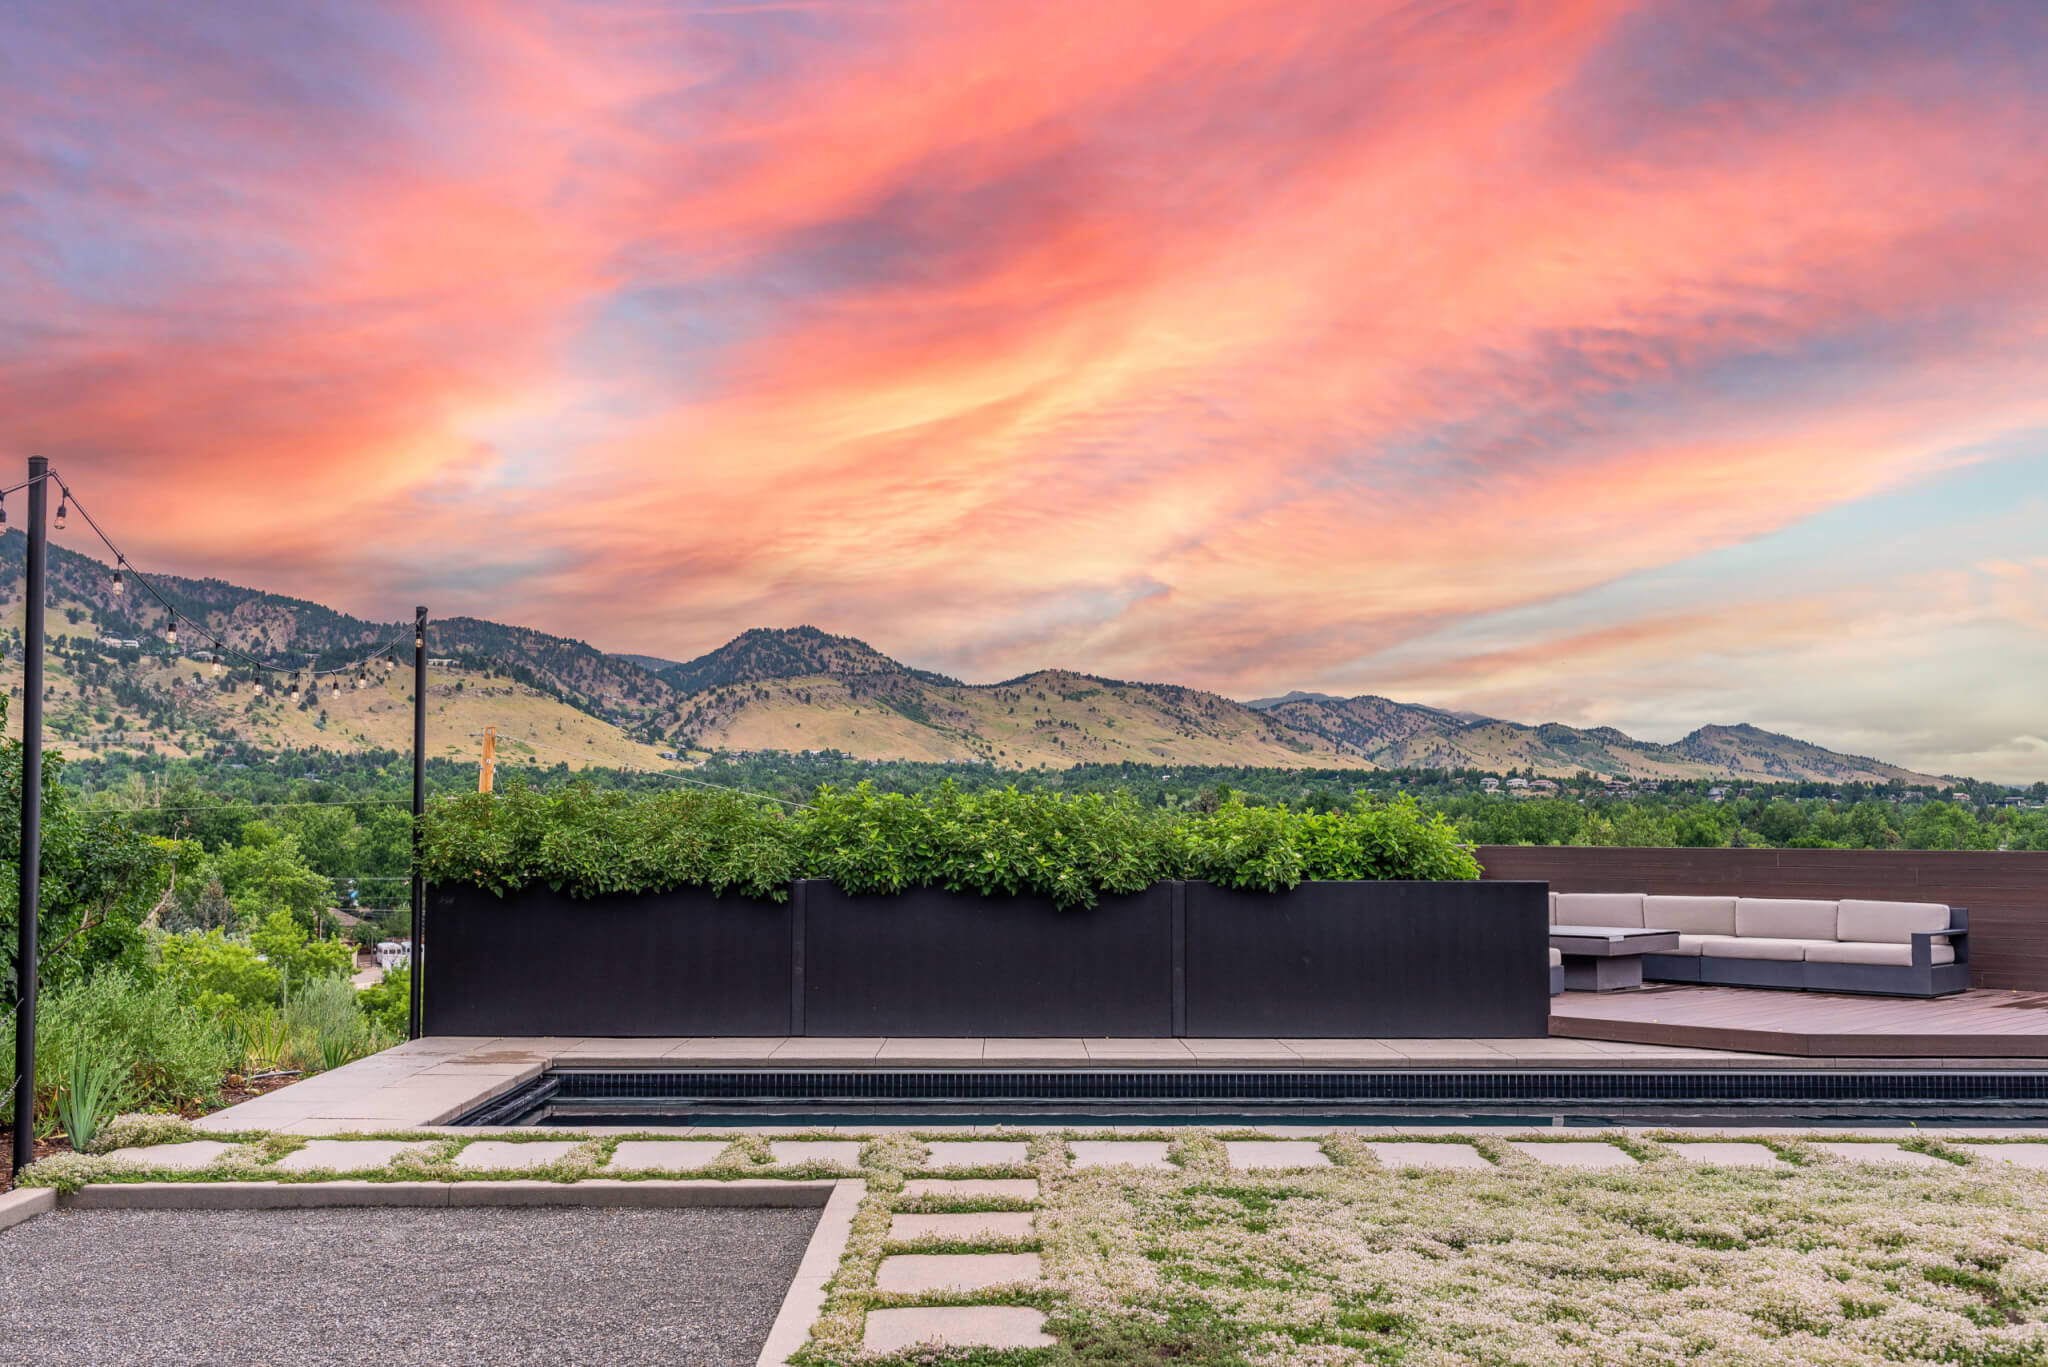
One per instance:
[(554, 698)]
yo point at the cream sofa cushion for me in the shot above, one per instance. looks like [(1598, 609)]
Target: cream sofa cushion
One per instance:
[(1615, 910), (1753, 947), (1693, 944), (1691, 915), (1556, 959), (1888, 922), (1553, 908), (1784, 918), (1872, 952)]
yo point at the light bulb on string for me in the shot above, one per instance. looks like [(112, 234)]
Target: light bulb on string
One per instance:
[(119, 585), (171, 633), (63, 507), (259, 685)]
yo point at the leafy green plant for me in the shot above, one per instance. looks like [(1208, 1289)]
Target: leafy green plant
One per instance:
[(87, 1095), (169, 1054), (324, 1013), (266, 1039), (387, 1004), (1074, 850), (215, 973)]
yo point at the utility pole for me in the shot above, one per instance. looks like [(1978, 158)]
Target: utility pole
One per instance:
[(27, 952), (487, 772), (419, 808)]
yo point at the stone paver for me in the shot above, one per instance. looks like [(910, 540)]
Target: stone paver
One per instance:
[(977, 1153), (346, 1155), (196, 1153), (977, 1227), (2019, 1155), (917, 1273), (1880, 1153), (1728, 1155), (499, 1153), (1266, 1154), (1403, 1153), (844, 1152), (662, 1155), (963, 1326), (974, 1188), (1109, 1153), (1575, 1153)]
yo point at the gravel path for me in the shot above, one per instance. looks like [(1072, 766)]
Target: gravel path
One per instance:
[(446, 1287)]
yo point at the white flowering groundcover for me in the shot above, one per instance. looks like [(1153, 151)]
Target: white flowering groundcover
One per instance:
[(1812, 1261)]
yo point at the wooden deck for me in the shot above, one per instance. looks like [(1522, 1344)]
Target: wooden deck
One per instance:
[(1982, 1023)]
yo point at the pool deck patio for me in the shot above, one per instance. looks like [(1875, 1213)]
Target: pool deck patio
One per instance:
[(1982, 1025)]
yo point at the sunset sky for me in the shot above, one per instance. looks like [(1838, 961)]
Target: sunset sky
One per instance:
[(1633, 364)]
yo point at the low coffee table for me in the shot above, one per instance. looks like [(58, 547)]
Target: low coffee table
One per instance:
[(1607, 958)]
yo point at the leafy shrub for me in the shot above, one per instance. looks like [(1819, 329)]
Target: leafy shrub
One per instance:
[(1073, 850), (387, 1004), (283, 942), (167, 1054), (585, 842), (217, 974), (324, 1014)]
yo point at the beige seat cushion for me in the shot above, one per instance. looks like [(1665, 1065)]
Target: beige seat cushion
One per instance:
[(1784, 918), (1694, 944), (1616, 910), (1888, 922), (1871, 952), (1690, 915), (1753, 947), (1556, 959), (1553, 908)]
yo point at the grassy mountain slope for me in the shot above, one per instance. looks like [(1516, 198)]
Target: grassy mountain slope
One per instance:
[(555, 698)]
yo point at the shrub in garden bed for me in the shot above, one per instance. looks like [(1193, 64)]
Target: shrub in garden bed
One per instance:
[(1074, 850)]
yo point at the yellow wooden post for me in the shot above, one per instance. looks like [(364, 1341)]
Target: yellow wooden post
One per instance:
[(485, 772)]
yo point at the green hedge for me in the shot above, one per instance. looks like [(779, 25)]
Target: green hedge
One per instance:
[(1074, 850)]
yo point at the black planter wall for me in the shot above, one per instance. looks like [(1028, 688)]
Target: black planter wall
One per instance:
[(1388, 960)]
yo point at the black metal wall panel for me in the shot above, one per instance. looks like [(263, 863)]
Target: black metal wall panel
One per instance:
[(935, 963), (1365, 960), (539, 963)]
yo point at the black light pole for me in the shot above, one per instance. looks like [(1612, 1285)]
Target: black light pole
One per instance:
[(419, 806), (25, 963)]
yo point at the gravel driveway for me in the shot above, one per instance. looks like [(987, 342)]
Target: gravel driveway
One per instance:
[(449, 1287)]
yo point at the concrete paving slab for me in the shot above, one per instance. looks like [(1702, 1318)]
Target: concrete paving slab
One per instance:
[(973, 1188), (844, 1152), (664, 1155), (346, 1155), (2019, 1155), (961, 1326), (1401, 1153), (1574, 1153), (487, 1154), (1880, 1153), (1034, 1051), (189, 1156), (1728, 1155), (1110, 1153), (930, 1050), (805, 1300), (1256, 1155), (976, 1153), (974, 1228), (825, 1049), (25, 1203), (916, 1273), (1137, 1051)]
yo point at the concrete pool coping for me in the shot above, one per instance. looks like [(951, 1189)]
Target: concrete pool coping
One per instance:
[(429, 1082)]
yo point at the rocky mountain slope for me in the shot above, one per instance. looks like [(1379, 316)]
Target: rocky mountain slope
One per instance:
[(554, 698)]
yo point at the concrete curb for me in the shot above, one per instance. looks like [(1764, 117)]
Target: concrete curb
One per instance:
[(596, 1192), (25, 1204), (805, 1300)]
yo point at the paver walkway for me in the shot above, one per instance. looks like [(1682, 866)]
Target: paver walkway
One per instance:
[(1260, 1155), (1875, 1152), (1110, 1153), (1573, 1153), (1401, 1153), (1729, 1155)]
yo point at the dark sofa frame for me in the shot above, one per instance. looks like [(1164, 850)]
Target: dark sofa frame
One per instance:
[(1922, 978)]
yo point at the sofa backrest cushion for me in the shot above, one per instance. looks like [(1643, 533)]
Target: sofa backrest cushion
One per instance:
[(1888, 922), (1692, 915), (1553, 908), (1620, 910), (1785, 918)]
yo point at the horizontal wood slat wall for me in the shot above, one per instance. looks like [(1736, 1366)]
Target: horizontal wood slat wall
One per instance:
[(2007, 893)]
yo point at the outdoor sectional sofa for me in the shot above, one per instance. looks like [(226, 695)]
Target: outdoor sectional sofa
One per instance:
[(1904, 949)]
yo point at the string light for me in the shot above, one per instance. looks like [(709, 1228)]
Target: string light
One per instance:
[(171, 632), (63, 508), (119, 585)]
